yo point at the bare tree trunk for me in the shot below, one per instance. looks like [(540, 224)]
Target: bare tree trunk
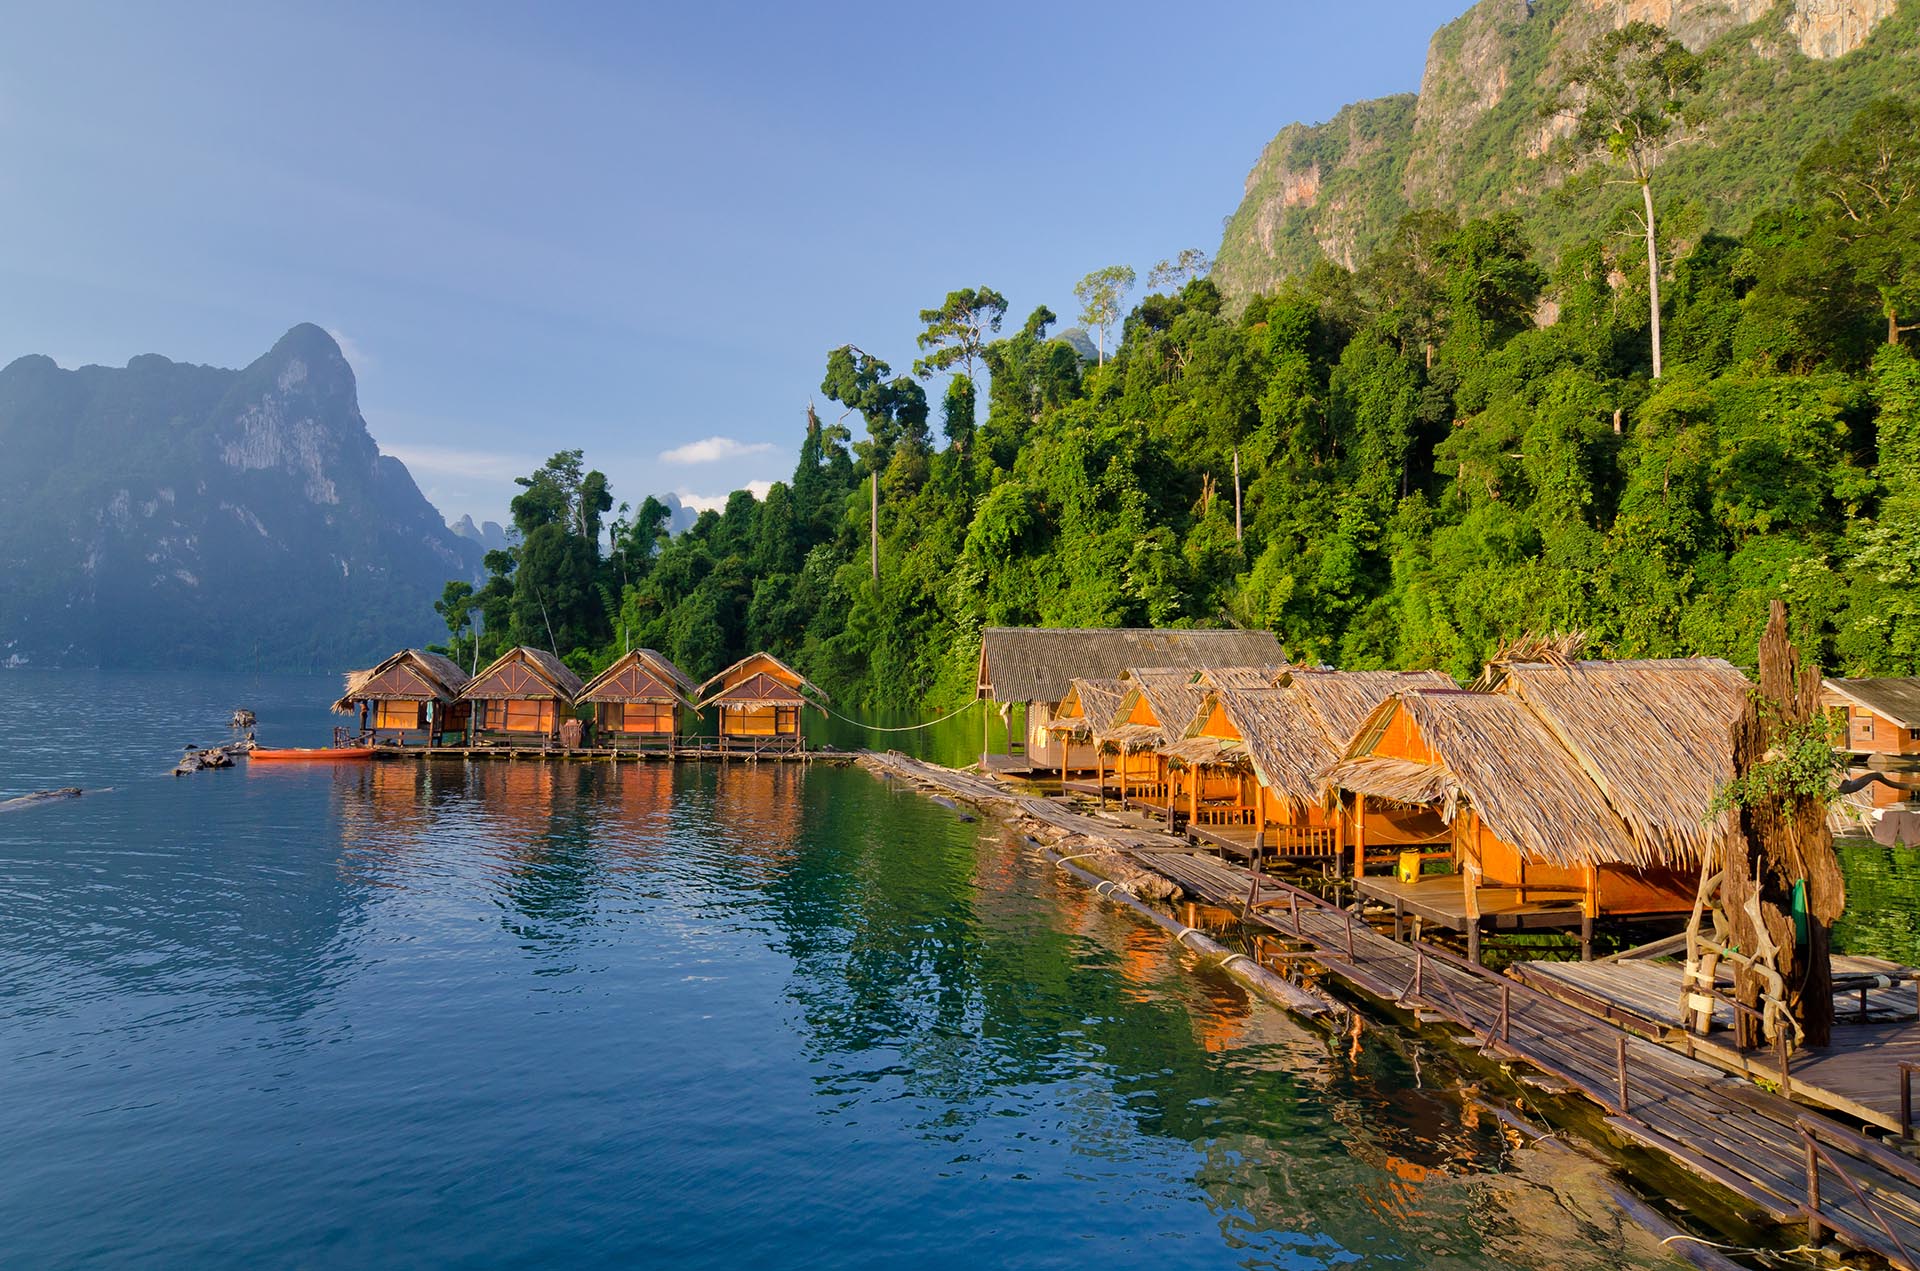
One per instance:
[(1653, 274)]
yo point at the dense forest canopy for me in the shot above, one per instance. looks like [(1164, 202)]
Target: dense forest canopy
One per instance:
[(1449, 445)]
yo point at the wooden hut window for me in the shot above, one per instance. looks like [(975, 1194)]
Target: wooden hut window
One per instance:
[(522, 717), (402, 715), (644, 717)]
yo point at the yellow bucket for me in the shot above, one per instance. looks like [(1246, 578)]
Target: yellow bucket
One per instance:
[(1409, 870)]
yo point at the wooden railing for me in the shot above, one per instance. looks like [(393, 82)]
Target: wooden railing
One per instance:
[(1822, 1142)]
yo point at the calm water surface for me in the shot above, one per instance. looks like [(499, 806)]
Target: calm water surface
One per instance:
[(526, 1014)]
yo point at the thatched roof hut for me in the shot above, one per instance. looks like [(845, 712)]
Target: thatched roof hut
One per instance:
[(641, 675), (760, 679), (1344, 699), (411, 675), (1654, 734), (1241, 676), (1038, 664), (1489, 752), (524, 674), (1088, 705), (1292, 730), (1153, 710)]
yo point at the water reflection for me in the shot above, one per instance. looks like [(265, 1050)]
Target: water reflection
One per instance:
[(523, 1013)]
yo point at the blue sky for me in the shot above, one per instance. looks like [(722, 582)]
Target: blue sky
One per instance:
[(624, 228)]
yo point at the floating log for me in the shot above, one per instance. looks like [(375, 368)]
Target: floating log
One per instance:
[(40, 796)]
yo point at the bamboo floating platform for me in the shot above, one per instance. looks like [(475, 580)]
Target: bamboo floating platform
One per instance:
[(1780, 1159)]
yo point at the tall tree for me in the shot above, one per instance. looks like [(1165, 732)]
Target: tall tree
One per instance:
[(955, 338), (1867, 180), (1169, 276), (1100, 294), (894, 407), (957, 331), (1628, 100)]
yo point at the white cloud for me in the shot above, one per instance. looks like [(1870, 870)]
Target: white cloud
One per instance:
[(713, 450), (453, 461), (718, 502), (350, 349)]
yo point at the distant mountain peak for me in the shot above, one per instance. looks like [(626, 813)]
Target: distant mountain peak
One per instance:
[(175, 513)]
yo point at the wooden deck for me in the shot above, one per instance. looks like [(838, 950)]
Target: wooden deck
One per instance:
[(1723, 1127), (1875, 1029), (1779, 1158), (1440, 900)]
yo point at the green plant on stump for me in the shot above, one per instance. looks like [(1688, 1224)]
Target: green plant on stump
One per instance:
[(1780, 887)]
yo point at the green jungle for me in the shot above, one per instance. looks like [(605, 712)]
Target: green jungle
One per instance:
[(1452, 444)]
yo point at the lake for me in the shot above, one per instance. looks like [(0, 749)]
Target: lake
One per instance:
[(531, 1014)]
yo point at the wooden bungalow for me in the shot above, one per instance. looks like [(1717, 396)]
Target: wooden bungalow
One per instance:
[(523, 698), (639, 702), (1071, 729), (760, 699), (412, 698), (1483, 780), (1153, 710), (1881, 722), (1655, 734), (1035, 668), (1255, 754)]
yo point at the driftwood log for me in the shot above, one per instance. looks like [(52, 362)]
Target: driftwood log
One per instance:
[(40, 796)]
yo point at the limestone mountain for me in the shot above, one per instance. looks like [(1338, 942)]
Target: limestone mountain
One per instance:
[(1477, 139), (170, 514)]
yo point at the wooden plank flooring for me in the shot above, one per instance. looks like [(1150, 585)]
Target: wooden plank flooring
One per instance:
[(1721, 1126), (1858, 1074), (1717, 1124)]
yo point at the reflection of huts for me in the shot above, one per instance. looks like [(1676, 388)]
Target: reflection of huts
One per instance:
[(638, 701), (1255, 753), (1035, 667), (760, 699), (1572, 792), (522, 698), (410, 698)]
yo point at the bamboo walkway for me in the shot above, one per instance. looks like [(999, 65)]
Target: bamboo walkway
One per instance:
[(1787, 1162)]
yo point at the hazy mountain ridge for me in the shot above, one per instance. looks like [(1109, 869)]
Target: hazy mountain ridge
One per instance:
[(1475, 138), (189, 515)]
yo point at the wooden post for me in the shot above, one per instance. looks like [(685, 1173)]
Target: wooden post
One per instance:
[(1473, 940), (986, 725), (1813, 1189), (1589, 907), (1100, 774), (1169, 791), (1359, 836)]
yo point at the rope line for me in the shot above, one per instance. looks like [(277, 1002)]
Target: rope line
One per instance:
[(903, 728)]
